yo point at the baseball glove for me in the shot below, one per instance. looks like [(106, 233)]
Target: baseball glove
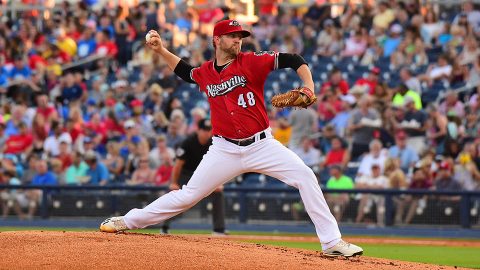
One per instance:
[(298, 97)]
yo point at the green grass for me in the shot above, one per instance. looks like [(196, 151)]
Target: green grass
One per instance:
[(452, 256)]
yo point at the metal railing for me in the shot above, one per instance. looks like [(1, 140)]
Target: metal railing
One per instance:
[(242, 195)]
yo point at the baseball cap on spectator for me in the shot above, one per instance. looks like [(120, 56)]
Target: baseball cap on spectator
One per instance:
[(64, 139), (396, 29), (87, 139), (328, 22), (375, 70), (401, 135), (444, 165), (129, 124), (358, 89), (136, 103), (119, 83), (349, 99), (90, 155), (205, 124), (438, 158), (110, 102), (229, 26), (11, 157), (91, 102)]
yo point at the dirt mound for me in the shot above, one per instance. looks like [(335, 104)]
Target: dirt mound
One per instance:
[(95, 250)]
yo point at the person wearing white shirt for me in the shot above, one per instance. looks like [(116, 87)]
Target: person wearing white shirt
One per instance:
[(52, 143), (375, 180), (377, 155), (308, 153)]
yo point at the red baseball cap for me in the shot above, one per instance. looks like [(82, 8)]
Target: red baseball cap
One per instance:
[(136, 103), (229, 26)]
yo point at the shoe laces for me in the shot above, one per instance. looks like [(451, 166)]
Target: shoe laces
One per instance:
[(119, 223), (343, 243)]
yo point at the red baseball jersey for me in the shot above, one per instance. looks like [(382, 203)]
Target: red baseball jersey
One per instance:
[(236, 95)]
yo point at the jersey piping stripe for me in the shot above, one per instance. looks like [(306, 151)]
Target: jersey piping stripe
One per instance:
[(191, 74), (275, 63)]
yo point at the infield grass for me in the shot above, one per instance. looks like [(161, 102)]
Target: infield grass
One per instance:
[(452, 256)]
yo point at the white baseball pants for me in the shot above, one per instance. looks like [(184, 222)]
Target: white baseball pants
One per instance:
[(223, 162)]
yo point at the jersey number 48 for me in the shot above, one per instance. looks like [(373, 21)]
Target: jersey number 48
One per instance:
[(250, 100)]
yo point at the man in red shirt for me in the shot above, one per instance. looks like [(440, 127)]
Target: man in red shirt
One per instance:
[(242, 139), (20, 143), (371, 80), (336, 82)]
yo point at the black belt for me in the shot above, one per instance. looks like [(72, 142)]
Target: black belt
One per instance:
[(246, 141)]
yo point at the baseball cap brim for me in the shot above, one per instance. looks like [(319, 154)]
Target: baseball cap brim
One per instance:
[(244, 33)]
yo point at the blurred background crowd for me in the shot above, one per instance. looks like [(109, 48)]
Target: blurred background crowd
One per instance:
[(84, 102)]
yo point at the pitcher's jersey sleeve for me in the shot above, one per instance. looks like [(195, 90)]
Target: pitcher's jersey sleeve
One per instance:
[(260, 64)]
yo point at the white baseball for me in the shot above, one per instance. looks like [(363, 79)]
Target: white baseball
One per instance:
[(148, 37)]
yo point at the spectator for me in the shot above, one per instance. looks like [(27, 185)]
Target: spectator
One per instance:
[(282, 132), (97, 172), (76, 173), (338, 154), (397, 180), (163, 175), (438, 71), (335, 83), (399, 99), (303, 123), (431, 28), (56, 166), (465, 171), (370, 82), (161, 150), (52, 143), (444, 181), (364, 122), (105, 46), (451, 105), (142, 175), (419, 181), (355, 45), (338, 202), (407, 156), (329, 105), (114, 161), (384, 16), (19, 143), (309, 155), (410, 81), (42, 178), (437, 128), (373, 180), (376, 156), (65, 43), (14, 196), (392, 42), (414, 125)]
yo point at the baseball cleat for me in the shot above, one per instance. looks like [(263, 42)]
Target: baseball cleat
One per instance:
[(343, 249), (113, 225)]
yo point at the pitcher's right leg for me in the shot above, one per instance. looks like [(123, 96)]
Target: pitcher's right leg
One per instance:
[(218, 166)]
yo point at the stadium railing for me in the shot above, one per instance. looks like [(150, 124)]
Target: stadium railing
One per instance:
[(248, 202)]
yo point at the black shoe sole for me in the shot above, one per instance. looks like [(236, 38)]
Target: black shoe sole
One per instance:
[(343, 255)]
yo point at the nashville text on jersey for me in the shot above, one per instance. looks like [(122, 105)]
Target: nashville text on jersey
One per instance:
[(225, 87)]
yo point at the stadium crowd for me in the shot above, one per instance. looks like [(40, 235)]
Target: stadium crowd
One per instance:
[(84, 102)]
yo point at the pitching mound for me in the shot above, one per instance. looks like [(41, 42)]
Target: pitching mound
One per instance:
[(95, 250)]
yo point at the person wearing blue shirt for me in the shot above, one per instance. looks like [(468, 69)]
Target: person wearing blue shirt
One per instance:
[(393, 41), (20, 71), (97, 172), (407, 156), (43, 177)]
